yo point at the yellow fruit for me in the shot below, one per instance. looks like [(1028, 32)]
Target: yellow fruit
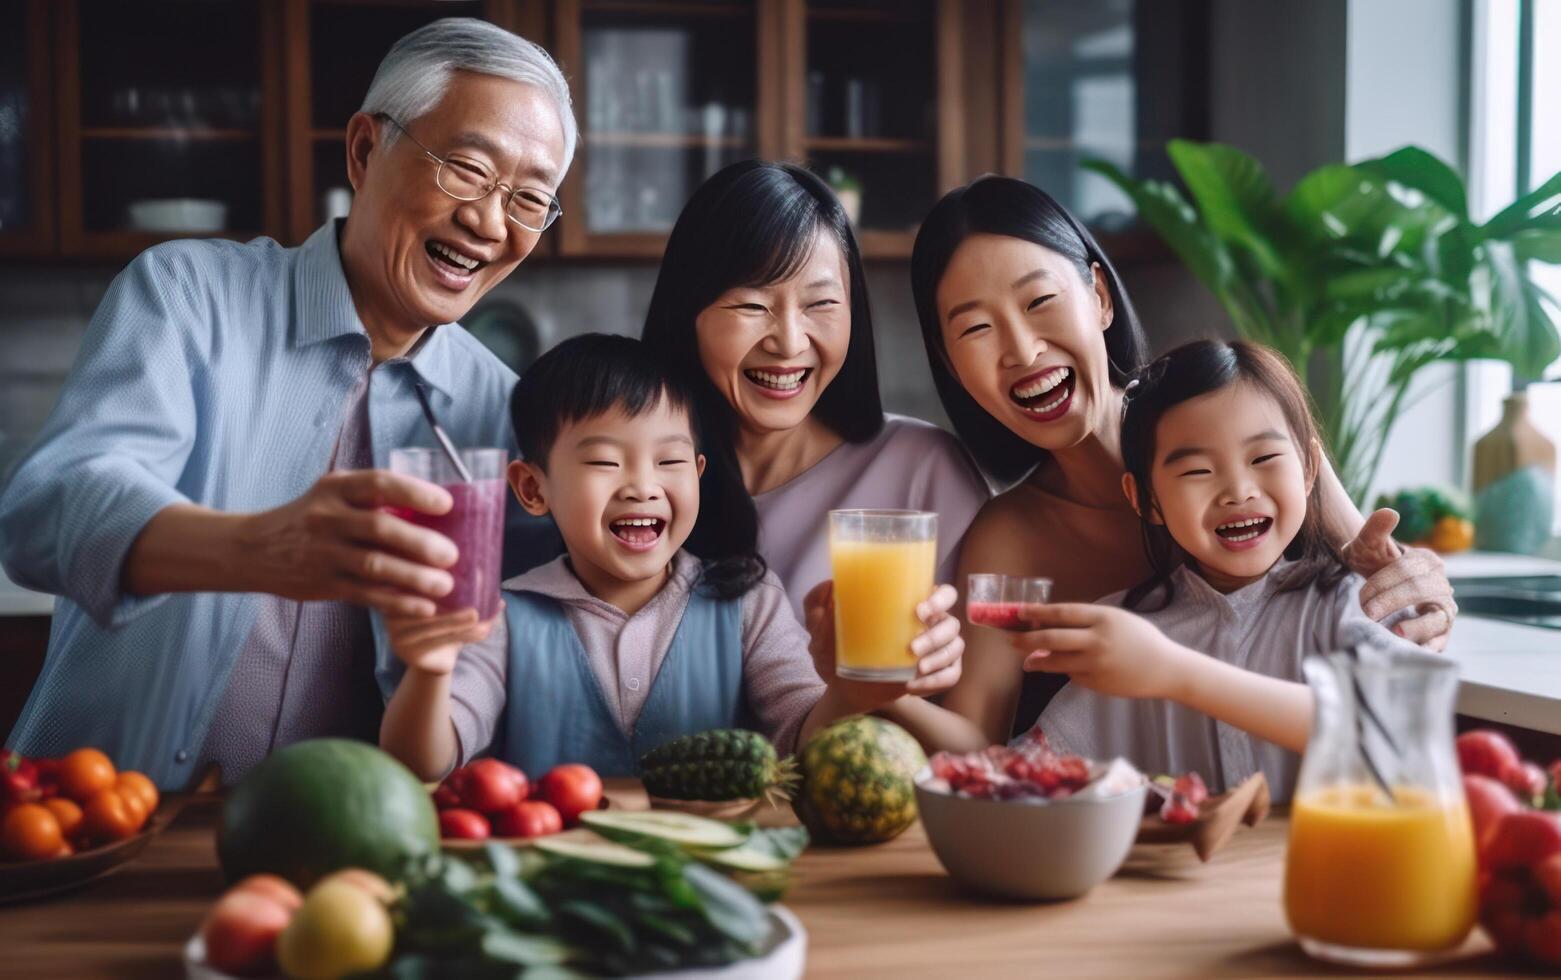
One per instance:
[(339, 930), (1452, 534), (370, 882)]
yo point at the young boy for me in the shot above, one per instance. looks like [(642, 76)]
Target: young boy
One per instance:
[(629, 640)]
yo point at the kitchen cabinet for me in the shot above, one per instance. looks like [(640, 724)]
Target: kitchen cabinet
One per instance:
[(26, 177)]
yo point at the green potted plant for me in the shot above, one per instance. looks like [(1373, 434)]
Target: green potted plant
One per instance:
[(1361, 275)]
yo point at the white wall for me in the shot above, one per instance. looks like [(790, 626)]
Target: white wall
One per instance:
[(1403, 85)]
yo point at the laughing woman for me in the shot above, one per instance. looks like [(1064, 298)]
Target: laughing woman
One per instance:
[(762, 302), (1031, 340)]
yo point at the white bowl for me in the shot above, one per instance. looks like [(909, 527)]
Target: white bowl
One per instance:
[(1032, 850), (179, 214)]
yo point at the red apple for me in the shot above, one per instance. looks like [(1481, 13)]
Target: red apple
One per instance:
[(1488, 753), (1527, 780), (490, 786), (529, 818), (1489, 801), (1520, 902)]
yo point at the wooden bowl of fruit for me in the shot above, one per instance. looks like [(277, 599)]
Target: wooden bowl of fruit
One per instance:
[(70, 820)]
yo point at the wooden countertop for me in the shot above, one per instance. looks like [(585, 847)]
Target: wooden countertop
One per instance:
[(887, 910)]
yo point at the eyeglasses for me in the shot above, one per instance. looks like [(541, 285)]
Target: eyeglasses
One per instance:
[(467, 180)]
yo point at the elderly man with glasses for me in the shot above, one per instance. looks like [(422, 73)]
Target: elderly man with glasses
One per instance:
[(208, 499)]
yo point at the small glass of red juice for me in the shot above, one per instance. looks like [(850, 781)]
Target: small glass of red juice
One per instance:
[(475, 522), (1006, 602)]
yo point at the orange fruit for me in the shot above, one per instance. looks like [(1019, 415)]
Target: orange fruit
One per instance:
[(1452, 533), (30, 833), (110, 817), (67, 813), (84, 773), (135, 783)]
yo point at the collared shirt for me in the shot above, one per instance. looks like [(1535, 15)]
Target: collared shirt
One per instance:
[(1265, 627), (212, 373), (625, 654)]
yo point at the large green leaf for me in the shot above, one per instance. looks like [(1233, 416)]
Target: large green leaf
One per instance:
[(1528, 338), (1538, 245), (1413, 167), (1539, 208), (1234, 197), (1174, 220)]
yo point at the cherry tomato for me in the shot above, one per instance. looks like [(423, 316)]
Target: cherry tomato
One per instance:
[(30, 833), (84, 773), (573, 789), (459, 823), (490, 786), (528, 818)]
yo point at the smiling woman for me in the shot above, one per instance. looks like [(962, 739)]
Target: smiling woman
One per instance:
[(762, 288)]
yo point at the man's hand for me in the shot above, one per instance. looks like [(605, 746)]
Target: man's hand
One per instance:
[(432, 644), (1402, 578), (336, 542), (939, 649), (1104, 648)]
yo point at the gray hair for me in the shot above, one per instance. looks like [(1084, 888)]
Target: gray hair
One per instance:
[(416, 71)]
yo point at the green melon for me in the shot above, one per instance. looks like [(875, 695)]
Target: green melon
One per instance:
[(322, 805), (858, 781)]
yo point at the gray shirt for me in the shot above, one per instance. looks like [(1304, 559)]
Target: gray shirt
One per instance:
[(625, 652), (910, 465), (307, 668), (1261, 627)]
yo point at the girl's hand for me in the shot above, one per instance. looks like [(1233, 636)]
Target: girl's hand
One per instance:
[(1106, 649), (431, 645), (1402, 578), (939, 648)]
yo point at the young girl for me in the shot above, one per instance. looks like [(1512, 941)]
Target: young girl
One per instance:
[(1222, 459), (629, 640)]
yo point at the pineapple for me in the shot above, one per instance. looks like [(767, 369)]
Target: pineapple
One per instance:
[(721, 764)]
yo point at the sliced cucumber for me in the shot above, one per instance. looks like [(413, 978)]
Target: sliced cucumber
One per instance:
[(599, 852), (679, 828), (744, 859)]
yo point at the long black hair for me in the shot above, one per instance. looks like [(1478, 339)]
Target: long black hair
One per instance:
[(1015, 209), (754, 223), (1199, 368), (591, 374)]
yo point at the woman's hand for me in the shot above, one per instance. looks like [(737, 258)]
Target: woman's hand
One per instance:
[(938, 648), (432, 645), (1402, 578), (1104, 648)]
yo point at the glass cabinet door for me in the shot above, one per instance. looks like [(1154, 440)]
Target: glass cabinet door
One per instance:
[(161, 123), (340, 44), (1111, 80), (870, 112), (666, 95), (26, 187)]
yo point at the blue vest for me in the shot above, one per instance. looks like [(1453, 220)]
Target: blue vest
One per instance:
[(555, 710)]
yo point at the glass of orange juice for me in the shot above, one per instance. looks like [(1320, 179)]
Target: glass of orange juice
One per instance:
[(1380, 870), (883, 562)]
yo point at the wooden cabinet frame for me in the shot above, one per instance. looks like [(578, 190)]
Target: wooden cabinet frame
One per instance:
[(38, 238)]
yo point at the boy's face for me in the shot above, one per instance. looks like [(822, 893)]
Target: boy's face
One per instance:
[(1229, 482), (624, 491)]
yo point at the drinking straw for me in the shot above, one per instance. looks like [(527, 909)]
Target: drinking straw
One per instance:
[(444, 440)]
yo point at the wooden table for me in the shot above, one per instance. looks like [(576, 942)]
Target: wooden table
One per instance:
[(887, 910)]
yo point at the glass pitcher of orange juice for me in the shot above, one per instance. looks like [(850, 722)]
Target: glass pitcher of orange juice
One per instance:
[(883, 561), (1380, 870)]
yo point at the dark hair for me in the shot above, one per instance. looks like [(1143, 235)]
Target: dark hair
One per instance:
[(591, 374), (1197, 369), (1015, 209), (752, 224)]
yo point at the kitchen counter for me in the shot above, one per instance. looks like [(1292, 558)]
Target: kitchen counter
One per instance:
[(885, 910), (1508, 673)]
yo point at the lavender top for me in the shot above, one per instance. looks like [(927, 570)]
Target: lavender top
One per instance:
[(625, 652), (911, 465)]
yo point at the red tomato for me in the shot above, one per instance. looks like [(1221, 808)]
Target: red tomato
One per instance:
[(573, 789), (1488, 753), (490, 786), (459, 823), (446, 797), (530, 818), (241, 932)]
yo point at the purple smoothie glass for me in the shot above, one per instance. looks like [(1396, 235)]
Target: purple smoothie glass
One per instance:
[(475, 522)]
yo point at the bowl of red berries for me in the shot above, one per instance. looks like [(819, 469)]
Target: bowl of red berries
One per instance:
[(1028, 822)]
